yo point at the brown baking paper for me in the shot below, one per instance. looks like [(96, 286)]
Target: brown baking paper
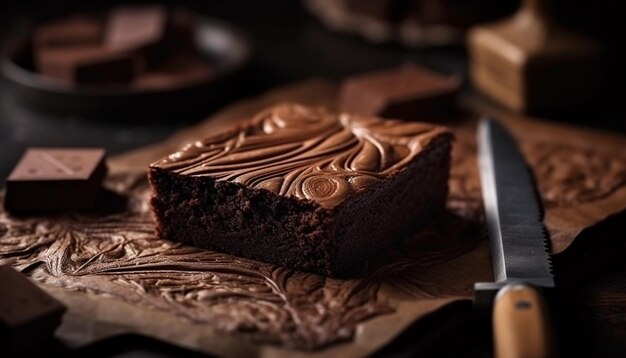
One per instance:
[(117, 277)]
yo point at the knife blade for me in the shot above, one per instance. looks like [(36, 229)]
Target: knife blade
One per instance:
[(519, 248)]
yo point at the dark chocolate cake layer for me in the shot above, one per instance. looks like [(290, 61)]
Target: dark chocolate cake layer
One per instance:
[(304, 188)]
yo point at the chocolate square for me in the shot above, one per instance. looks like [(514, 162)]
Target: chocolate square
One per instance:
[(86, 64), (70, 31), (141, 30), (181, 70), (55, 178)]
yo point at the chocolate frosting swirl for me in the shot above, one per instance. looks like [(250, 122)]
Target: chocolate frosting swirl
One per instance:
[(307, 153)]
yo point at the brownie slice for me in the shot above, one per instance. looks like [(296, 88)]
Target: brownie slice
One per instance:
[(303, 187)]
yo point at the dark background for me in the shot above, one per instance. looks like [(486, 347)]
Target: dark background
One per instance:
[(289, 45)]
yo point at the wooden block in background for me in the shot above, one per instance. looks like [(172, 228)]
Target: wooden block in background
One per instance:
[(530, 64)]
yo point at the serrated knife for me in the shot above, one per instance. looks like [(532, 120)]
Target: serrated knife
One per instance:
[(519, 249)]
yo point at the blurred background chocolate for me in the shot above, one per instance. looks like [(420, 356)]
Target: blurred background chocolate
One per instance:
[(174, 72), (138, 29), (125, 58), (86, 64), (409, 92), (411, 23), (126, 45), (70, 31)]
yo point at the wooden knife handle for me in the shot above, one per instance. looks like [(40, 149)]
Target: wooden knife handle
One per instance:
[(521, 323)]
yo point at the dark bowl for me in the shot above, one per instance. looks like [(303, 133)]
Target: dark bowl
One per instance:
[(224, 46)]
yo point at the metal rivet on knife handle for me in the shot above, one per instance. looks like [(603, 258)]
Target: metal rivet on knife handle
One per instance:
[(521, 323)]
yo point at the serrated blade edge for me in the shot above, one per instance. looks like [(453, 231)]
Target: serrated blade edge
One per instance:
[(519, 243)]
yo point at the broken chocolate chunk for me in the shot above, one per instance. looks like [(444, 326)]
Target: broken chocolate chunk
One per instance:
[(408, 92), (28, 315), (138, 29), (71, 31), (85, 64), (179, 71)]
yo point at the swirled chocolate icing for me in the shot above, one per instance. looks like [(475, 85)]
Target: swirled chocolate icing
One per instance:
[(305, 152)]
